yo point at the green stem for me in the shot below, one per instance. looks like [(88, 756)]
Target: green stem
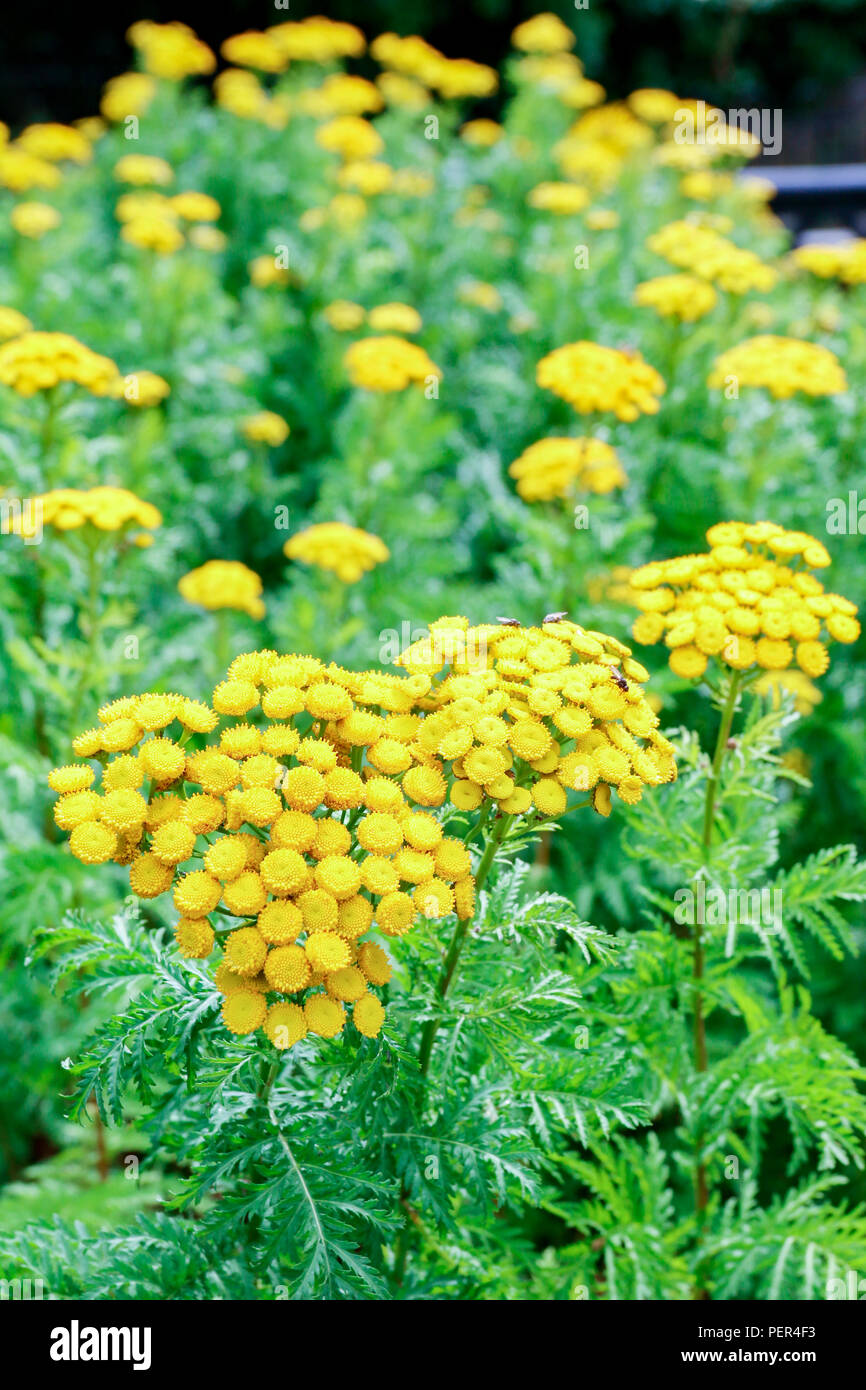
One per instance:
[(431, 1027), (698, 1019)]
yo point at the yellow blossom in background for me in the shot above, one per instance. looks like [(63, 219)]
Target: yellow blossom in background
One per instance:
[(265, 272), (556, 467), (56, 143), (543, 33), (20, 172), (37, 361), (654, 105), (344, 315), (141, 169), (595, 161), (402, 91), (706, 253), (254, 49), (368, 176), (318, 40), (395, 318), (224, 584), (206, 237), (141, 388), (351, 137), (552, 72), (129, 94), (480, 294), (837, 260), (591, 377), (683, 297), (343, 94), (782, 365), (531, 715), (602, 219), (241, 93), (482, 133), (344, 550), (34, 219), (388, 364), (705, 184), (750, 601), (12, 323), (171, 51), (265, 427), (196, 207), (153, 233), (792, 682), (69, 509), (130, 206), (558, 197)]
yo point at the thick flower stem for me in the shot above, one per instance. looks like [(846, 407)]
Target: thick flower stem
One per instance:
[(699, 1022)]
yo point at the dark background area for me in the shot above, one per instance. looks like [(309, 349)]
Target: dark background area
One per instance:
[(807, 58)]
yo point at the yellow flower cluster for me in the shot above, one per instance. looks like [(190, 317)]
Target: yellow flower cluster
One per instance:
[(749, 601), (388, 364), (556, 467), (782, 365), (33, 220), (591, 377), (266, 427), (838, 260), (20, 171), (543, 33), (129, 94), (68, 509), (253, 49), (172, 51), (351, 137), (344, 550), (224, 584), (56, 143), (141, 388), (257, 805), (528, 715), (143, 169), (37, 361), (682, 297), (451, 77), (563, 198), (710, 255), (318, 40)]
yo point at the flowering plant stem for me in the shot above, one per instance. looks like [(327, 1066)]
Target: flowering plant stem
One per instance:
[(431, 1028), (699, 1022)]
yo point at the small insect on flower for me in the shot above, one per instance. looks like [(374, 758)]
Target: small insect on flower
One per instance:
[(556, 617)]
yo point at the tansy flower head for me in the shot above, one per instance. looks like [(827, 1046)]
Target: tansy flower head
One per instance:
[(388, 364), (749, 602), (224, 584), (554, 468), (250, 826), (345, 550), (37, 361), (591, 377), (530, 716), (782, 366)]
